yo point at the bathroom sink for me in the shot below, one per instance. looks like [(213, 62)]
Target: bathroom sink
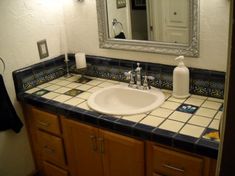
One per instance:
[(122, 100)]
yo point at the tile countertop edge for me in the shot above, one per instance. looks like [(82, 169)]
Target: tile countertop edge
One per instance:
[(191, 144)]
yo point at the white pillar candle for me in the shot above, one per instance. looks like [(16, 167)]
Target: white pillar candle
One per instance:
[(80, 60)]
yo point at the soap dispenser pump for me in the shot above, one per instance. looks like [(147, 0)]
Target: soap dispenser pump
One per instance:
[(180, 79)]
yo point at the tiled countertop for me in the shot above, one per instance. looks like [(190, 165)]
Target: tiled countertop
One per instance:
[(190, 124)]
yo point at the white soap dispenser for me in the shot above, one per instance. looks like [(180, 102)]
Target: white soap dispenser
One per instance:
[(180, 79)]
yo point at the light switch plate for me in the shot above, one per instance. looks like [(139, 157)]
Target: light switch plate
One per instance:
[(42, 49), (121, 4)]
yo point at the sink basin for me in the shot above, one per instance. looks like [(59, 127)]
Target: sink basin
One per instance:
[(122, 100)]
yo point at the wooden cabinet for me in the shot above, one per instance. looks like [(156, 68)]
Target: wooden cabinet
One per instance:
[(46, 142), (162, 161), (108, 154)]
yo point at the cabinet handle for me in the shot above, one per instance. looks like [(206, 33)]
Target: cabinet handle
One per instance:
[(173, 168), (93, 142), (101, 140), (45, 124)]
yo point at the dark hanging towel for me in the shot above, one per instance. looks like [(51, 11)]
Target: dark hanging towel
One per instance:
[(121, 35), (8, 117)]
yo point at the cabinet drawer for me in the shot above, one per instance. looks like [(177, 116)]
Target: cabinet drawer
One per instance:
[(46, 121), (51, 170), (51, 148), (172, 163)]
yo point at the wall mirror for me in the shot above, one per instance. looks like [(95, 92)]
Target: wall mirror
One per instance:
[(158, 26)]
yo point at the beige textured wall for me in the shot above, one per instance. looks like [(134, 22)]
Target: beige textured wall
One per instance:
[(23, 23), (81, 19)]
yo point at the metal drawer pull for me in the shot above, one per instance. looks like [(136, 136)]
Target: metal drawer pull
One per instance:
[(45, 124), (101, 140), (93, 142), (173, 168)]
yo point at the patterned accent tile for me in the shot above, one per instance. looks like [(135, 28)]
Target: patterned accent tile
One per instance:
[(206, 112), (161, 112), (62, 98), (41, 92), (73, 92), (83, 80), (170, 105), (200, 121), (214, 124), (50, 95), (211, 134), (192, 130), (187, 108), (134, 118), (152, 121), (74, 101), (180, 116), (212, 105), (194, 101), (171, 125)]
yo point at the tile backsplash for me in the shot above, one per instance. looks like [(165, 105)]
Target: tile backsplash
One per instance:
[(202, 82)]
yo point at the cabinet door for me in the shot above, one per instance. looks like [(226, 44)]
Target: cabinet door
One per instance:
[(122, 156), (81, 147), (51, 170)]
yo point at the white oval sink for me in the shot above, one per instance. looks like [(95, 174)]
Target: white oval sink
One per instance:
[(122, 100)]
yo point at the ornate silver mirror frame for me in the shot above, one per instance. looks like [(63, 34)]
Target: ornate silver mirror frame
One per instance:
[(191, 49)]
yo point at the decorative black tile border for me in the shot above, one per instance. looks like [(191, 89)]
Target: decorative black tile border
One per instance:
[(202, 82)]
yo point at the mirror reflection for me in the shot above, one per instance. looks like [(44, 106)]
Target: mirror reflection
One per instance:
[(149, 20)]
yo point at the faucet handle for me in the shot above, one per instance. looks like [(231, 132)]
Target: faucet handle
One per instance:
[(129, 75), (146, 85)]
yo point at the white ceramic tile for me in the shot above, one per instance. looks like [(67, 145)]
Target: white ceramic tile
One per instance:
[(200, 121), (84, 95), (73, 78), (51, 95), (199, 97), (161, 112), (152, 121), (194, 101), (94, 82), (74, 101), (179, 100), (134, 118), (180, 116), (42, 86), (170, 105), (171, 125), (52, 87), (84, 106), (206, 112), (192, 130), (62, 98), (63, 83), (106, 84), (55, 81), (84, 87), (30, 91), (62, 90), (112, 81), (94, 89), (73, 85), (167, 93), (214, 124), (211, 104), (219, 115), (216, 100)]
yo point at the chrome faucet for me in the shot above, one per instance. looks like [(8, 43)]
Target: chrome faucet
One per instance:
[(138, 79)]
